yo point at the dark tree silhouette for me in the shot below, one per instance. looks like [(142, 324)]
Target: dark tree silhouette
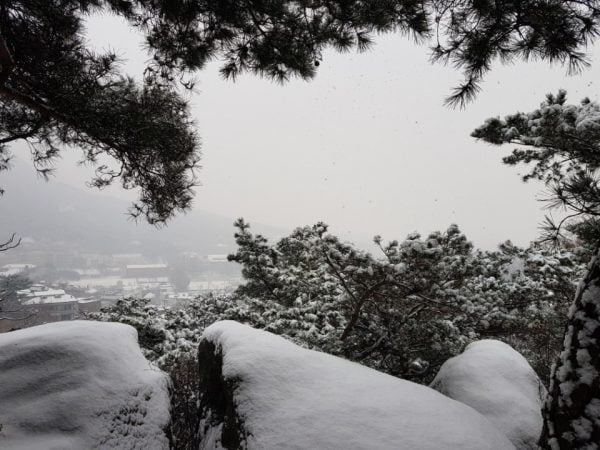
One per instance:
[(10, 243), (12, 314), (57, 92)]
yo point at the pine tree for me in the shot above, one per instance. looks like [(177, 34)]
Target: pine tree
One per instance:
[(415, 306), (563, 141), (57, 92)]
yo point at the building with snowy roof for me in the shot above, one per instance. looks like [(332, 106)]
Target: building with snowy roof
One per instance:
[(13, 269), (53, 305)]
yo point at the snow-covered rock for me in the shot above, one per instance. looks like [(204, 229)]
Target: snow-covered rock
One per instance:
[(259, 391), (80, 385), (497, 381)]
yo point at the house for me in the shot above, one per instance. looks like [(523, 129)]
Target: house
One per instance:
[(41, 305), (50, 305), (13, 269)]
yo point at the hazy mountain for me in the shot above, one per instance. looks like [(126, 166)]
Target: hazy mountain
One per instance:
[(53, 212)]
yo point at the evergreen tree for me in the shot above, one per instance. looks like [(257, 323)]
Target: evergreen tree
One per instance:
[(57, 92), (11, 310), (405, 313), (513, 294), (563, 142)]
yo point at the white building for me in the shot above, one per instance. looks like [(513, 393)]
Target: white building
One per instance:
[(54, 305), (13, 269)]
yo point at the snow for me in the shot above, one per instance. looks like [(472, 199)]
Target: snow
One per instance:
[(46, 293), (45, 296), (294, 398), (65, 298), (498, 382), (14, 269), (573, 404), (80, 385)]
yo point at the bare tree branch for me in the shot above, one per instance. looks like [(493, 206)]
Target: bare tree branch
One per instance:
[(10, 244)]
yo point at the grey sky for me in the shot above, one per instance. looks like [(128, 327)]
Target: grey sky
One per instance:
[(367, 146)]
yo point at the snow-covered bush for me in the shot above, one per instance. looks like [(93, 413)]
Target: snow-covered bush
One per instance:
[(167, 335), (404, 313), (391, 312), (408, 311), (522, 297)]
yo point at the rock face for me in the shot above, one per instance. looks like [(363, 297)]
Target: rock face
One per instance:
[(259, 391), (80, 385), (497, 381)]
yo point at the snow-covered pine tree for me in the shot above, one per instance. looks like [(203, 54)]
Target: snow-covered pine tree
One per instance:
[(563, 142), (417, 305)]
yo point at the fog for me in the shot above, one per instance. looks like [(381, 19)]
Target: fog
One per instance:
[(367, 146)]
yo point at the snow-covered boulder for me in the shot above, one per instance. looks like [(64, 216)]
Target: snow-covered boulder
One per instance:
[(497, 381), (259, 391), (80, 385)]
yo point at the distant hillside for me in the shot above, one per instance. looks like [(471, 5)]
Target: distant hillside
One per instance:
[(88, 220)]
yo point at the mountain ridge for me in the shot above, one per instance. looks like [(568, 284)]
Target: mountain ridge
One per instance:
[(56, 212)]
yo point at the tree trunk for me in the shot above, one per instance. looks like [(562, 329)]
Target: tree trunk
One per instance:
[(572, 408)]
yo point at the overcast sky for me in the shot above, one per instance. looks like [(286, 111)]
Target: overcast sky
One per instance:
[(367, 146)]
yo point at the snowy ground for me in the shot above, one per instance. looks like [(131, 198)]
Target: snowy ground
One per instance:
[(288, 397), (80, 385), (498, 382)]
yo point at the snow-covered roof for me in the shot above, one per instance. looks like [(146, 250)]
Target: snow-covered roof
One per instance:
[(14, 269), (18, 266), (36, 297), (47, 293), (87, 300), (65, 298)]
